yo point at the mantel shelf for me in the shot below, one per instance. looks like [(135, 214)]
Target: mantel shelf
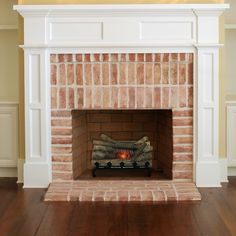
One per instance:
[(8, 27)]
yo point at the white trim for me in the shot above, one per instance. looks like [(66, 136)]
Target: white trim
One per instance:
[(224, 170), (20, 171)]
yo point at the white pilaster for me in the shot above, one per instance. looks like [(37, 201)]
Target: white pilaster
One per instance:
[(37, 167)]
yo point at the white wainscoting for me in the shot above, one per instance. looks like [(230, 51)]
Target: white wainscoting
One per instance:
[(231, 138), (8, 139)]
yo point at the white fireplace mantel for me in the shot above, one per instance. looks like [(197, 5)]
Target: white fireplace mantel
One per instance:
[(121, 28)]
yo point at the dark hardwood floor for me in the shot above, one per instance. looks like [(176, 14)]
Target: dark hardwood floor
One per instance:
[(22, 212)]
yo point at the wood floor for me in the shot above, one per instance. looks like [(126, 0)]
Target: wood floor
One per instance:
[(22, 212)]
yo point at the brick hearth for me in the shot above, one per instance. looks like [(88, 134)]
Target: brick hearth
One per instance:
[(122, 191)]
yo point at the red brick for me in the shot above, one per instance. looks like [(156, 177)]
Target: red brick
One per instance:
[(53, 74), (183, 131), (182, 73), (114, 74), (56, 140), (165, 73), (61, 122), (183, 122), (114, 97), (132, 57), (62, 74), (70, 74), (131, 73), (148, 97), (105, 57), (88, 98), (190, 73), (62, 98), (58, 158), (190, 97), (182, 97), (71, 104), (79, 74), (87, 58), (80, 98), (157, 73), (53, 58), (106, 97), (173, 73), (166, 57), (79, 57), (114, 57), (149, 73), (105, 74), (140, 73), (174, 56), (88, 74), (140, 97), (123, 97), (96, 74), (157, 97), (165, 97), (53, 97), (181, 149), (140, 57), (122, 68), (157, 57), (61, 57), (182, 56), (131, 94), (61, 131)]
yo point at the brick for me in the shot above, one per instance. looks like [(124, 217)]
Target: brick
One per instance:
[(183, 157), (67, 167), (97, 98), (131, 94), (53, 58), (123, 96), (158, 196), (165, 73), (146, 196), (165, 57), (134, 196), (88, 98), (183, 140), (182, 73), (114, 57), (96, 57), (68, 57), (123, 57), (96, 74), (106, 97), (131, 73), (132, 57), (157, 57), (61, 122), (174, 56), (183, 113), (123, 196), (53, 74), (80, 98), (182, 131), (122, 69), (148, 97), (183, 175), (148, 57), (61, 131), (182, 56), (149, 73), (157, 97), (79, 57), (140, 57), (190, 73), (62, 149), (105, 74), (114, 97), (182, 97), (88, 74), (157, 73), (190, 97), (140, 97), (114, 74), (71, 104), (140, 73), (53, 97), (62, 98), (61, 57), (181, 149), (56, 140), (62, 74), (173, 73), (111, 196), (79, 74), (105, 57), (183, 122), (70, 74), (165, 98), (182, 167), (87, 58)]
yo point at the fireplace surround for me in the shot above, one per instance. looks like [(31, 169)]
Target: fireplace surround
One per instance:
[(70, 30)]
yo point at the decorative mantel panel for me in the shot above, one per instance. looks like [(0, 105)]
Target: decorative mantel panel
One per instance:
[(121, 29)]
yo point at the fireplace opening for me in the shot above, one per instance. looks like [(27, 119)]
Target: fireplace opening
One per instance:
[(131, 141)]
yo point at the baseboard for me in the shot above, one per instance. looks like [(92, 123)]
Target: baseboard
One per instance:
[(37, 175), (8, 172), (208, 174), (223, 170), (232, 171), (20, 171)]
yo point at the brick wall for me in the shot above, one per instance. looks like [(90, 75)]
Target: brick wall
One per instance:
[(121, 81)]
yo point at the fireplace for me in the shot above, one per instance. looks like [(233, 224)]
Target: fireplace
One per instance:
[(107, 58)]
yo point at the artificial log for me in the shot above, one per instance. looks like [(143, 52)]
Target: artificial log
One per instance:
[(106, 149)]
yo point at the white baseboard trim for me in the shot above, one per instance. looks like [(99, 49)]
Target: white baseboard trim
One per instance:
[(232, 171), (208, 174), (224, 170), (8, 172), (20, 171), (37, 175)]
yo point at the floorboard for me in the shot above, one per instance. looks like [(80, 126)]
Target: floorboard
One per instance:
[(22, 212)]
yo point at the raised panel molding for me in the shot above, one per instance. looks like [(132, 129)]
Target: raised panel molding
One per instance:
[(8, 135), (231, 134)]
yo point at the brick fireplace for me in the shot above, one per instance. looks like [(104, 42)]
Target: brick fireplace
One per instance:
[(155, 82), (84, 61)]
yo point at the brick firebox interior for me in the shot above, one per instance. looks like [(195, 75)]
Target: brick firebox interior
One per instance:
[(93, 93)]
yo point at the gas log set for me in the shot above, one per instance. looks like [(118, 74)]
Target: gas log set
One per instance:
[(109, 153)]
